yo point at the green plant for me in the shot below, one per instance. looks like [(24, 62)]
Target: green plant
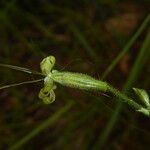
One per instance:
[(79, 81), (85, 82)]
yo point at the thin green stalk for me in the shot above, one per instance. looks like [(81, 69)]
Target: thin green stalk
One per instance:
[(21, 83), (47, 123), (142, 58), (127, 47), (22, 69)]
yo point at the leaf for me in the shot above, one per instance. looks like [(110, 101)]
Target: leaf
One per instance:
[(21, 83), (22, 69), (143, 96)]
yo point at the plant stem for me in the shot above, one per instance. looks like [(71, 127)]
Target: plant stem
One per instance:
[(129, 101), (124, 98)]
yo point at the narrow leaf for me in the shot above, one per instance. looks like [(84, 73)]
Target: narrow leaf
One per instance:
[(143, 96), (26, 70), (21, 83)]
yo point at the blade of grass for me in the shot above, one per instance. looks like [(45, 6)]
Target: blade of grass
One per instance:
[(21, 83), (47, 123), (84, 42), (142, 58), (127, 47), (26, 70)]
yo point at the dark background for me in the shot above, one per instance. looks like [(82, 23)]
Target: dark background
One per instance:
[(85, 36)]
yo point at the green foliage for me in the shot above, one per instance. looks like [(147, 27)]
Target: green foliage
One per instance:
[(109, 42)]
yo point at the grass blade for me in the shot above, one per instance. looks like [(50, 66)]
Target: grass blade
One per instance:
[(22, 69), (127, 47), (84, 42), (47, 123), (21, 83), (142, 57)]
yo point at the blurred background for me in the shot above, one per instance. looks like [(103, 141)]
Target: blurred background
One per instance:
[(109, 40)]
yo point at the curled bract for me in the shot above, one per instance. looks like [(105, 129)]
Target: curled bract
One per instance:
[(47, 92), (47, 64), (47, 96)]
